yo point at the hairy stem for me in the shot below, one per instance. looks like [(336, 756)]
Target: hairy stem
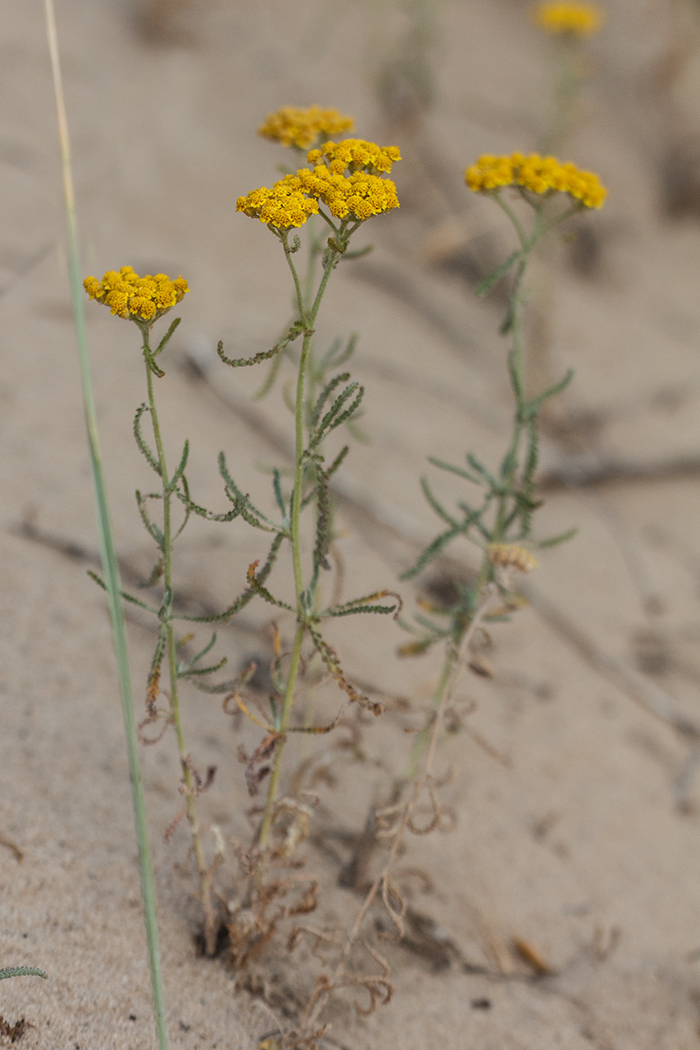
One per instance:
[(302, 598), (516, 368), (166, 613), (516, 355)]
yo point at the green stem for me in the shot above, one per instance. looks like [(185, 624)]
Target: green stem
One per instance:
[(302, 599), (421, 741), (517, 225), (516, 368), (516, 354), (167, 613), (315, 251), (523, 419), (266, 824), (107, 549)]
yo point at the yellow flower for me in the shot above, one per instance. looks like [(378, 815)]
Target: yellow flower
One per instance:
[(303, 128), (355, 155), (489, 173), (283, 206), (357, 196), (575, 19), (136, 298), (540, 175)]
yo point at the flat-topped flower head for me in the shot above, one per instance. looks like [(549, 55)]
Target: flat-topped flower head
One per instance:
[(569, 19), (347, 178), (304, 128), (357, 196), (353, 155), (140, 299), (285, 205), (536, 174)]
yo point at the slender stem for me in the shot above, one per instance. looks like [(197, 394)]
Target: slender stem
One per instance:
[(299, 295), (299, 477), (328, 268), (523, 417), (316, 1005), (421, 741), (302, 599), (516, 309), (172, 648), (328, 220), (516, 367), (516, 354), (266, 824), (315, 251), (517, 225), (108, 551), (286, 712)]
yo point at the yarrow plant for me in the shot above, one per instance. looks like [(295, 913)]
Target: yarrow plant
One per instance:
[(500, 524), (500, 520), (572, 19), (345, 187), (144, 300), (343, 184)]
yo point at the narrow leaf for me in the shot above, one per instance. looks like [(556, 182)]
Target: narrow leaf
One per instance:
[(166, 338), (561, 537), (486, 284), (140, 440)]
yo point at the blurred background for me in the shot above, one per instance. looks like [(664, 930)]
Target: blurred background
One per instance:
[(577, 824)]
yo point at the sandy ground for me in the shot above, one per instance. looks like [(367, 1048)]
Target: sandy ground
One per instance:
[(576, 827)]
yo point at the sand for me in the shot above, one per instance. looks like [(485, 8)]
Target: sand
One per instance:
[(571, 826)]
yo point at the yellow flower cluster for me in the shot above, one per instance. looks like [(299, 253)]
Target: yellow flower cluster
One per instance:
[(356, 196), (302, 128), (577, 19), (283, 206), (538, 174), (355, 155), (136, 298)]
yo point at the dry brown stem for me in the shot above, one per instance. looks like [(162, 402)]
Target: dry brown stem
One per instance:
[(379, 987)]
